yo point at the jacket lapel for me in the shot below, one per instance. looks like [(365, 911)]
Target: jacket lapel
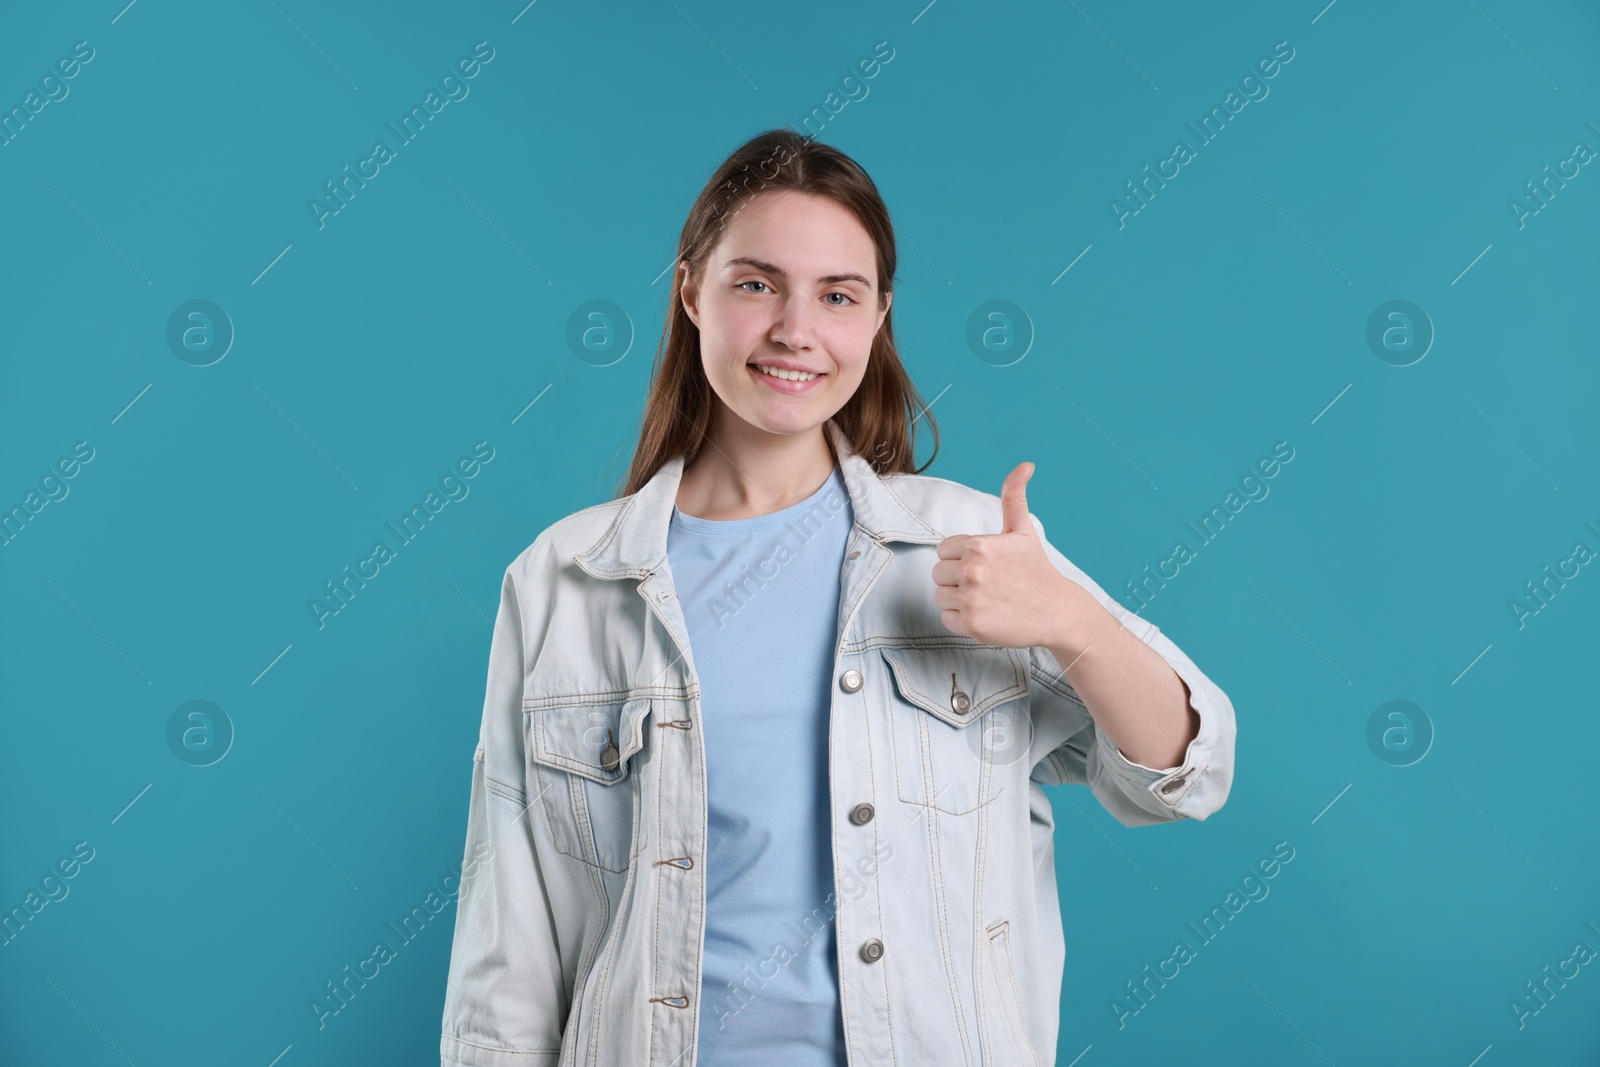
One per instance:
[(635, 544)]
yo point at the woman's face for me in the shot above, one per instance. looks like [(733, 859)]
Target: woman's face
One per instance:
[(792, 286)]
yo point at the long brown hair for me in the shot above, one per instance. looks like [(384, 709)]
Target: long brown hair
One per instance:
[(879, 419)]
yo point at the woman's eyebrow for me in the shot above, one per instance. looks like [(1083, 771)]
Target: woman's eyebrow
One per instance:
[(772, 268)]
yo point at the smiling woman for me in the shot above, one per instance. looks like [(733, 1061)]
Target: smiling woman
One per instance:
[(783, 657), (781, 344), (786, 269)]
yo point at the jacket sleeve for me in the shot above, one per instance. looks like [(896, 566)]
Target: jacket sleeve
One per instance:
[(505, 1000), (1135, 794)]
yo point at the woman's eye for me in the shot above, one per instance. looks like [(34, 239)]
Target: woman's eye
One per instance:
[(845, 302)]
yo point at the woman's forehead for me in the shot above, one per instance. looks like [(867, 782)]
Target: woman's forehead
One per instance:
[(797, 235)]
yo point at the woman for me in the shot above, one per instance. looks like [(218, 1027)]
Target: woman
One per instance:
[(760, 774)]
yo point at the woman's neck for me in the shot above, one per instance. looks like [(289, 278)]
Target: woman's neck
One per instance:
[(742, 474)]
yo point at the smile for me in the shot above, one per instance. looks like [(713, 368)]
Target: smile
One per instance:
[(789, 382), (786, 375)]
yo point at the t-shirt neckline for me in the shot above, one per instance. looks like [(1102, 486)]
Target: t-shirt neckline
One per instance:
[(755, 522)]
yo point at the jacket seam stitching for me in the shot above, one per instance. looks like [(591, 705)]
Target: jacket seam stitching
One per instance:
[(942, 926), (1016, 994), (655, 954), (888, 996), (605, 696), (907, 508), (1013, 691), (583, 828), (605, 931), (1055, 686), (504, 789), (923, 746), (507, 1051), (985, 1042)]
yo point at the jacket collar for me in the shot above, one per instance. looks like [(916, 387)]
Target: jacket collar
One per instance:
[(635, 544)]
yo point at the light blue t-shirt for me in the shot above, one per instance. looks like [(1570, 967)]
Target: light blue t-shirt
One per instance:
[(761, 600)]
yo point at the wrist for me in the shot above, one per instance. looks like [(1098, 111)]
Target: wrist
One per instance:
[(1083, 624)]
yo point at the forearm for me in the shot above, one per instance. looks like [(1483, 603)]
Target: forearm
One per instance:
[(1136, 698)]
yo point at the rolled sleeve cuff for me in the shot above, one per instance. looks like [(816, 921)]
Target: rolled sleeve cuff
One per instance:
[(1168, 788)]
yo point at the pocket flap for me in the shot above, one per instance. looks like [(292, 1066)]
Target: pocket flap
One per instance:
[(938, 678), (574, 734)]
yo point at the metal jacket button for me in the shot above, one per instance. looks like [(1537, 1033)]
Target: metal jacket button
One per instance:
[(861, 813), (872, 951), (610, 757), (850, 680), (959, 701)]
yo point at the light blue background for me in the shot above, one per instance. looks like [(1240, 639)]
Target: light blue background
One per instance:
[(1228, 315)]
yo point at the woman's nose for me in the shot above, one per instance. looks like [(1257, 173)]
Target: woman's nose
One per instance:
[(794, 327)]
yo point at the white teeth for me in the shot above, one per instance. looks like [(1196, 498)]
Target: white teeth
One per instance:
[(786, 375)]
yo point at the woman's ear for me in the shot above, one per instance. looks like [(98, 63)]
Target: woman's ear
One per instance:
[(690, 293), (888, 300)]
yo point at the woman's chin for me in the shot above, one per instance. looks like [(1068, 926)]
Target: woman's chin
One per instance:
[(785, 419)]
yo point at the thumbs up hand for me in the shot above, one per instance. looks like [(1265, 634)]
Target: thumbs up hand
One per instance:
[(1001, 588)]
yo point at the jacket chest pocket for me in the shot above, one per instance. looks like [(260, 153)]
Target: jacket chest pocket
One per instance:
[(584, 756), (958, 717)]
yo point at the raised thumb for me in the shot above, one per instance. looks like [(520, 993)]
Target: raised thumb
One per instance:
[(1014, 500)]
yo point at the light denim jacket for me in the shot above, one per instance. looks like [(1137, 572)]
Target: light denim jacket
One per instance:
[(582, 909)]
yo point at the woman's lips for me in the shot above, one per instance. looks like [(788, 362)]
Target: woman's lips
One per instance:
[(785, 386)]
